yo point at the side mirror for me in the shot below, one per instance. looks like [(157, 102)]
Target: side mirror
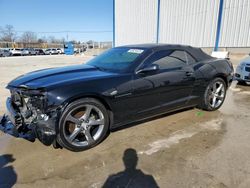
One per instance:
[(151, 68)]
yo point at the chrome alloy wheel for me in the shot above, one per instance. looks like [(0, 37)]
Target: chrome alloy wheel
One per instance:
[(83, 125), (216, 94)]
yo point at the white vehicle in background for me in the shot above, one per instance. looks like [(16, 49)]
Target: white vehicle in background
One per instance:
[(25, 51), (242, 73), (28, 51), (60, 51), (51, 51), (15, 52)]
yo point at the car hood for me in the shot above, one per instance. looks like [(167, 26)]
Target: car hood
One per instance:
[(55, 76)]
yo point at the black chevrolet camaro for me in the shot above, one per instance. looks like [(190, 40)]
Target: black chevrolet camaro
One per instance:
[(75, 107)]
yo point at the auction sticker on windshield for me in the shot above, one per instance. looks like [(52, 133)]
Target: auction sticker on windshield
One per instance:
[(136, 51)]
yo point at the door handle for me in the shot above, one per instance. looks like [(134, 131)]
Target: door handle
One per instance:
[(189, 73)]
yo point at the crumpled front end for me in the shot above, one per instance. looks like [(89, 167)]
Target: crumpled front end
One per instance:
[(27, 116)]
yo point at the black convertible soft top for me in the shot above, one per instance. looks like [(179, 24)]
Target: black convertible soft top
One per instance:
[(197, 53)]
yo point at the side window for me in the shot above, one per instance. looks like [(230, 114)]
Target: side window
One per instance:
[(168, 59), (179, 54), (190, 59)]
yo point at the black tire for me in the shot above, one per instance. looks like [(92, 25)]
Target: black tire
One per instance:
[(64, 132), (206, 98)]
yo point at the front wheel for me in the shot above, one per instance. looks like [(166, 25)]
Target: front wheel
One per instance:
[(83, 124), (214, 95)]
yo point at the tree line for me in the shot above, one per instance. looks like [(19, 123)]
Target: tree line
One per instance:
[(9, 34)]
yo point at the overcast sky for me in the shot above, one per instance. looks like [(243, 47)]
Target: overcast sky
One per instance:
[(60, 15)]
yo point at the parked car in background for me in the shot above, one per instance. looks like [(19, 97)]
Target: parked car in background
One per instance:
[(79, 50), (51, 51), (39, 52), (76, 50), (32, 51), (25, 51), (242, 73), (15, 51), (4, 53), (59, 50), (28, 51), (77, 106)]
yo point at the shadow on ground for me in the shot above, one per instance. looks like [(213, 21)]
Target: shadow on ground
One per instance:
[(130, 177), (8, 176)]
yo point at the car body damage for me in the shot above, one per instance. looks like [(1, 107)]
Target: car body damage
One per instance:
[(37, 100), (26, 109)]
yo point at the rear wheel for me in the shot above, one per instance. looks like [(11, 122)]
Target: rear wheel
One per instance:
[(83, 124), (214, 95)]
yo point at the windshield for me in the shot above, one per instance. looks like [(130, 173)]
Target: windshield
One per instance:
[(116, 59)]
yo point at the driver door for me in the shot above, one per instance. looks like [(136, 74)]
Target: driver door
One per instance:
[(164, 89)]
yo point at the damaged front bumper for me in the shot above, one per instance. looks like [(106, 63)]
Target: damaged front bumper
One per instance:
[(13, 124), (8, 127)]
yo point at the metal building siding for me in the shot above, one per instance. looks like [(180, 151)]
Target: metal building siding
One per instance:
[(135, 21), (235, 31), (191, 22)]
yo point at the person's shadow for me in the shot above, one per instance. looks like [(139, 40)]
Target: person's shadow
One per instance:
[(8, 176), (130, 177)]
